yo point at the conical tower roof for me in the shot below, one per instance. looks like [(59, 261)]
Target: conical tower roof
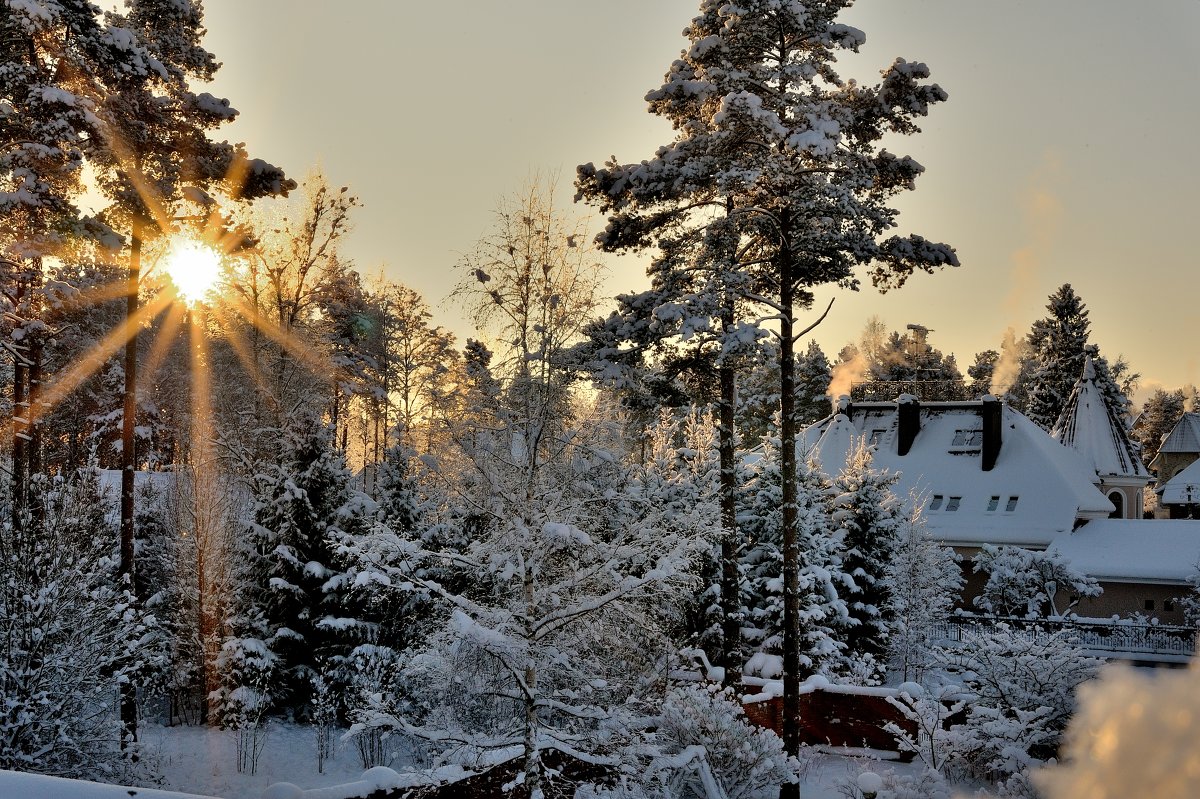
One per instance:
[(1091, 427)]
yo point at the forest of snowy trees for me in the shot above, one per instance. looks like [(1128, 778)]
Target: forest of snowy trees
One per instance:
[(300, 499)]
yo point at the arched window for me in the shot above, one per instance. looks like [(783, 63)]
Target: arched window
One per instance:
[(1118, 501)]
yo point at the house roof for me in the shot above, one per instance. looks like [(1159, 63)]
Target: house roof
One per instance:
[(1051, 484), (1090, 425), (1175, 491), (1184, 436), (1133, 550)]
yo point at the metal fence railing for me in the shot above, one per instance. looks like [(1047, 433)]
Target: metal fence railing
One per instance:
[(1114, 637)]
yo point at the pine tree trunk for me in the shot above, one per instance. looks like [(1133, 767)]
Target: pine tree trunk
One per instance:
[(37, 506), (730, 626), (128, 464), (791, 546), (20, 415)]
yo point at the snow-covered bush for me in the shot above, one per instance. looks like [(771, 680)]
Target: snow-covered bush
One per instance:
[(1023, 582), (927, 784), (1190, 602), (376, 702), (936, 744), (701, 746), (1013, 669), (1024, 683), (553, 616), (68, 635)]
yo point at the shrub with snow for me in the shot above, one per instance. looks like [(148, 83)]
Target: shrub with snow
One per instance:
[(1022, 582), (703, 746), (71, 634)]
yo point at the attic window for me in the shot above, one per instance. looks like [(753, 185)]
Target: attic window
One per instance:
[(937, 502), (1012, 505), (967, 438), (953, 503), (993, 503), (876, 434)]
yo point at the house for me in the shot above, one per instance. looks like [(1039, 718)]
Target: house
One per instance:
[(985, 474), (1177, 483)]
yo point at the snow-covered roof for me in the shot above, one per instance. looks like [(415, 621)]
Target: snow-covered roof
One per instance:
[(1089, 425), (1036, 490), (1176, 491), (1133, 550), (1184, 436)]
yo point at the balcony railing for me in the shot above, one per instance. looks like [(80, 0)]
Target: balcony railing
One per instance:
[(1115, 638)]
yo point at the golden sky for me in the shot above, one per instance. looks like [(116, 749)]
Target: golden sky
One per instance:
[(1066, 153)]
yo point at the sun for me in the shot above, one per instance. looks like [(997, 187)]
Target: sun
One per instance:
[(194, 268)]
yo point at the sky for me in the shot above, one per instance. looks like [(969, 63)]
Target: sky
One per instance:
[(1067, 151)]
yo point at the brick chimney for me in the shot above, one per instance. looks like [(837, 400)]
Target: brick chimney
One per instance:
[(989, 413), (908, 413)]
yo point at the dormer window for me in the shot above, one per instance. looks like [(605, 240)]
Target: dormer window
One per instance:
[(937, 502), (1011, 505), (993, 503), (876, 435), (953, 503)]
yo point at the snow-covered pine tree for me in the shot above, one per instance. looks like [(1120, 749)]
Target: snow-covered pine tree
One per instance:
[(758, 391), (981, 372), (866, 517), (813, 374), (772, 139), (1160, 413), (923, 580), (823, 613), (293, 612), (57, 60), (1057, 343)]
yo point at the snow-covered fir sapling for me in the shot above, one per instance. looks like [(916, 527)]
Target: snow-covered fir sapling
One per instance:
[(823, 611), (866, 516), (924, 581)]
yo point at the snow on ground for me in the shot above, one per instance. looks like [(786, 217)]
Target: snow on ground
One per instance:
[(34, 786), (199, 763), (202, 760)]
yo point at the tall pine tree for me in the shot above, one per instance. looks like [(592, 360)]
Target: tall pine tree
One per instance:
[(770, 138)]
